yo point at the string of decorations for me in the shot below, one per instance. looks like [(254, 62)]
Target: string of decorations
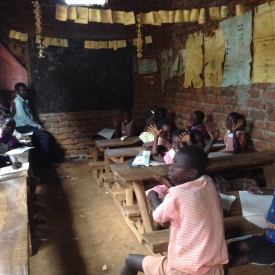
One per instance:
[(139, 37), (38, 27)]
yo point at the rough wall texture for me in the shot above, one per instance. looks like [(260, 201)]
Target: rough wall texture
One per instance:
[(256, 102)]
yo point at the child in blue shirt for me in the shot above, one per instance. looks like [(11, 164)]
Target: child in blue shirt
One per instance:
[(258, 250)]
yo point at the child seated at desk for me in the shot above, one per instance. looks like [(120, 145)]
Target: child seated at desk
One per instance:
[(127, 127), (193, 210), (176, 145), (196, 123), (258, 250), (234, 140), (8, 142)]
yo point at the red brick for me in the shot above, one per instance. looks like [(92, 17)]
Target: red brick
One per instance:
[(269, 94), (261, 125), (67, 142), (254, 94), (229, 110), (261, 145), (262, 85), (217, 92), (223, 100), (61, 137), (269, 136), (271, 127), (259, 104), (257, 114), (213, 100), (256, 134), (234, 101), (250, 103)]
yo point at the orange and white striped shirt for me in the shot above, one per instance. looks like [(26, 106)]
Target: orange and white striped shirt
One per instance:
[(197, 232)]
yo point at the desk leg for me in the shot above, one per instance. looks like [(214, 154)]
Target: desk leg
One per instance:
[(107, 163), (143, 206), (269, 174), (95, 154)]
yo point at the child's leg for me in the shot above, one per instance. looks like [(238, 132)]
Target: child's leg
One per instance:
[(238, 252), (132, 265)]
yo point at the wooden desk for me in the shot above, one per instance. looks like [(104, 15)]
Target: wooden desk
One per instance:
[(104, 144), (135, 176), (14, 226)]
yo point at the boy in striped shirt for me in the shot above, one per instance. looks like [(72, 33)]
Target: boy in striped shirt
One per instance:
[(193, 210)]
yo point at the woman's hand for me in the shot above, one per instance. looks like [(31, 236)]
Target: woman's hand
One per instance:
[(154, 130)]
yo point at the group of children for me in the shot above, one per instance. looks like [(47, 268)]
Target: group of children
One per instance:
[(189, 204)]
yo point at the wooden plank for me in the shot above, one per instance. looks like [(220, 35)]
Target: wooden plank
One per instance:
[(251, 269), (108, 177), (236, 207), (143, 206), (132, 211), (119, 194), (99, 165), (117, 142), (107, 163), (124, 152), (14, 226)]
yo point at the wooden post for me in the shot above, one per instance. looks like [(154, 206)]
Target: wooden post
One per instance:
[(129, 196), (143, 206), (269, 174)]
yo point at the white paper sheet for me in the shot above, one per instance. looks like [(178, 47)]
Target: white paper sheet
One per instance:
[(10, 170), (142, 158), (227, 201), (19, 150), (107, 133), (27, 134), (255, 208), (146, 137)]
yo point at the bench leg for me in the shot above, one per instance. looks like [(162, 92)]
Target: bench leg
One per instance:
[(269, 174), (129, 196), (143, 206)]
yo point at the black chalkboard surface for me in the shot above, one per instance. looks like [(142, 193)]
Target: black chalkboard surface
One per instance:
[(77, 79)]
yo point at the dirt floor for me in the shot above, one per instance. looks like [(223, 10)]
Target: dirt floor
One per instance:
[(83, 230)]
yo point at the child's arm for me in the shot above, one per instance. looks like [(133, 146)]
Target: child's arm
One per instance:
[(153, 129), (133, 129), (260, 191), (214, 135), (236, 143), (118, 132), (15, 163)]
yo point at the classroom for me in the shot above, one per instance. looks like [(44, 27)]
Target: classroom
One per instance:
[(136, 137)]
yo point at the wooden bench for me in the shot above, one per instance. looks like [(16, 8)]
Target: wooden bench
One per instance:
[(97, 169), (234, 227), (14, 226)]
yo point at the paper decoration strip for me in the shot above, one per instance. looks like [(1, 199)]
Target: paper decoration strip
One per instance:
[(164, 16), (146, 18), (46, 42), (82, 15), (61, 12), (118, 17), (106, 16), (24, 37), (179, 16), (12, 34), (202, 17), (148, 39), (17, 35), (224, 11), (129, 18), (264, 43), (194, 16), (171, 15), (237, 35), (186, 15), (157, 19), (213, 58), (71, 13), (214, 13), (240, 10)]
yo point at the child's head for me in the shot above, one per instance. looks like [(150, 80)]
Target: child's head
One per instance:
[(197, 138), (232, 119), (161, 113), (21, 89), (8, 126), (165, 125), (197, 116), (189, 164), (126, 116), (176, 140)]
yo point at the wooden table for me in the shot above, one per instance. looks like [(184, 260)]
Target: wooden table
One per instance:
[(104, 144), (14, 226), (135, 176)]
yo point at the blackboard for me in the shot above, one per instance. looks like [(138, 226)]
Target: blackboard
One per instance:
[(77, 79)]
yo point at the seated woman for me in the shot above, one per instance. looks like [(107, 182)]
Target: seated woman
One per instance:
[(128, 126)]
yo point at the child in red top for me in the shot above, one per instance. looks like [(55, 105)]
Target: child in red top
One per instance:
[(234, 140), (193, 210)]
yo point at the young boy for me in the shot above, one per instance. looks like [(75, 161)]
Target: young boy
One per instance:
[(258, 249), (8, 142), (196, 123), (127, 127), (193, 209), (25, 123), (234, 140)]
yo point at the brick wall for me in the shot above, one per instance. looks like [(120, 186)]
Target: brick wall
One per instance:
[(256, 102)]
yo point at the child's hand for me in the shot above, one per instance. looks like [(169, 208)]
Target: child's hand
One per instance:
[(185, 137), (166, 143), (16, 165), (213, 133), (115, 121), (237, 125), (163, 181), (260, 191), (154, 130)]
